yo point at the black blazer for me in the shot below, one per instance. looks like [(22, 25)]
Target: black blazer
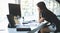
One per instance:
[(51, 17)]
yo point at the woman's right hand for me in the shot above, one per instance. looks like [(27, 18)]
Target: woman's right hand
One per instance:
[(41, 19)]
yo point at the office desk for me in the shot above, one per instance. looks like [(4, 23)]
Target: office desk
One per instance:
[(34, 28), (13, 30)]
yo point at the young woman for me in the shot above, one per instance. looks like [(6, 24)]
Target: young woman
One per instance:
[(47, 15)]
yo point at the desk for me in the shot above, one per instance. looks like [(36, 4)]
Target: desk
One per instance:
[(13, 30), (34, 28)]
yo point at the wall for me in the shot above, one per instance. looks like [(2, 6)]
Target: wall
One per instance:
[(4, 10)]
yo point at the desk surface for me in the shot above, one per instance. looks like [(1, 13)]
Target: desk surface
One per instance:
[(13, 30), (29, 25), (34, 27)]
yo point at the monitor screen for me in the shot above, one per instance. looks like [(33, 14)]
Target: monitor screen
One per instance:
[(14, 9)]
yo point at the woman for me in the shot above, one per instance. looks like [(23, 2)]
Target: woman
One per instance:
[(47, 15)]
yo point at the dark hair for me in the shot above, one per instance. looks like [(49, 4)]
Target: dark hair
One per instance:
[(41, 5)]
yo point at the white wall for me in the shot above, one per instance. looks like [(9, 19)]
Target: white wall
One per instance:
[(3, 12)]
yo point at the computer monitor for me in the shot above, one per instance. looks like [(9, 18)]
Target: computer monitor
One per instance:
[(14, 9)]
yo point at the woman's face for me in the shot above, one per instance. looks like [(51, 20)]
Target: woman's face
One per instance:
[(39, 10)]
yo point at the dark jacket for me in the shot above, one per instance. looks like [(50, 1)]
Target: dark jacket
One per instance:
[(51, 17), (48, 15)]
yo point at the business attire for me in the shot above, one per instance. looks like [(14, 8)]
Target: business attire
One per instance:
[(52, 18)]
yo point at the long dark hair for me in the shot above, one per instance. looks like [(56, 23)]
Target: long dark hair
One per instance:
[(41, 5)]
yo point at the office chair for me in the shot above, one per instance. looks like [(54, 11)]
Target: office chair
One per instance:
[(11, 21)]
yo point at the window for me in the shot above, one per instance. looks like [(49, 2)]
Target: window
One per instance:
[(52, 5), (28, 9)]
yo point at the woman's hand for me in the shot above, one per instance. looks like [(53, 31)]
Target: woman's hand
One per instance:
[(41, 19)]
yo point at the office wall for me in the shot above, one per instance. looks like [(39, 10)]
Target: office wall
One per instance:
[(3, 12)]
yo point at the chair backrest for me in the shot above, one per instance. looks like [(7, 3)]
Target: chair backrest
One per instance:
[(11, 20)]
